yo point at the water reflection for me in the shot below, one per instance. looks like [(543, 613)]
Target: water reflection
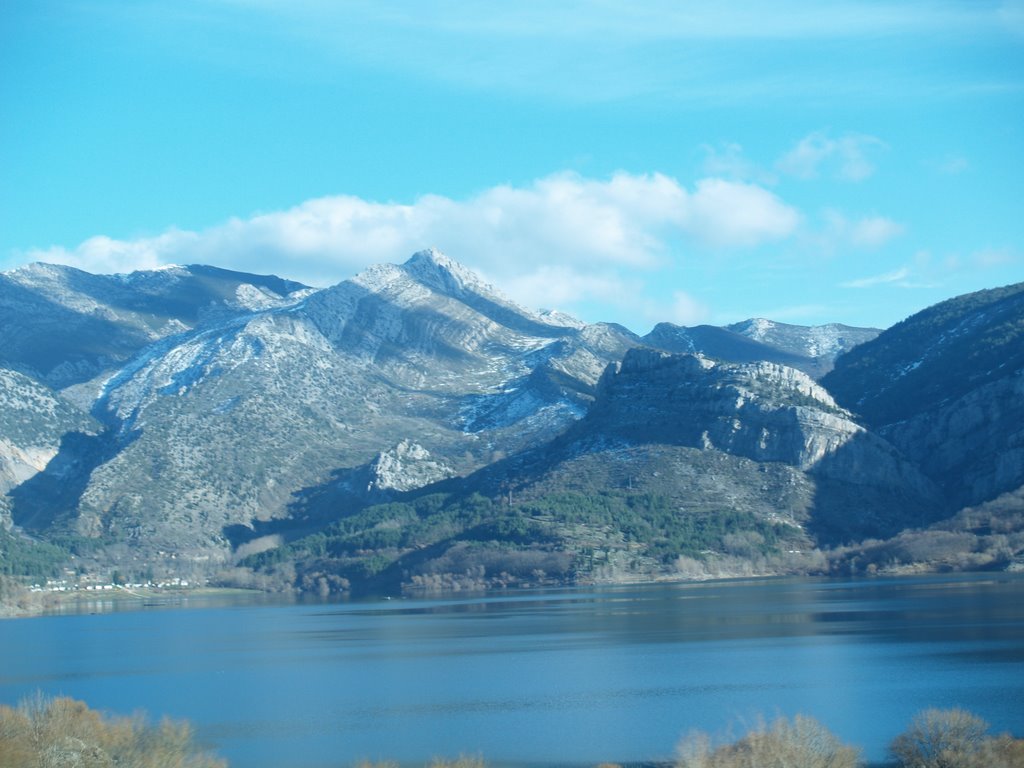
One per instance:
[(894, 611)]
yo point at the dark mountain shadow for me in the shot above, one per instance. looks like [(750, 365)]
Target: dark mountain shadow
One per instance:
[(49, 341), (51, 497), (867, 489), (346, 492)]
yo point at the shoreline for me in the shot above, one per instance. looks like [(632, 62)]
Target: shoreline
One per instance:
[(36, 604), (88, 602)]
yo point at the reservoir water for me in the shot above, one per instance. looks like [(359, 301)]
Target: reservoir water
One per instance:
[(566, 677)]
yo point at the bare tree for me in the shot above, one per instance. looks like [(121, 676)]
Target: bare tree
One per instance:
[(943, 738), (800, 743)]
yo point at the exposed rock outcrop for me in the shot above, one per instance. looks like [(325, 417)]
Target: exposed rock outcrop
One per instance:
[(405, 467)]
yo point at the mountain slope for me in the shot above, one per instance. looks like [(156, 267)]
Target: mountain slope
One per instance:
[(412, 423), (246, 417), (34, 422), (946, 386), (768, 414), (680, 462), (64, 326)]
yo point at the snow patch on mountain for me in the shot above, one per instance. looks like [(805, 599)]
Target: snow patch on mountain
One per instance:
[(816, 341), (257, 299)]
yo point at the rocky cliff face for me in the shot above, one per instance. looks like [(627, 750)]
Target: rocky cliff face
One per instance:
[(405, 467), (681, 466), (767, 413), (972, 446), (764, 411), (726, 345)]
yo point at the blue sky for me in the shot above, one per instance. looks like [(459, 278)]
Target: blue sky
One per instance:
[(850, 161)]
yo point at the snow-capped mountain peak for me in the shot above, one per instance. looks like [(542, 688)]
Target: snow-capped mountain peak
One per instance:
[(446, 276)]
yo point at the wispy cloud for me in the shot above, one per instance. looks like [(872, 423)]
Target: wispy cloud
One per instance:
[(578, 50), (994, 257), (847, 157), (564, 238), (873, 231), (685, 310), (898, 276), (953, 165), (837, 232), (727, 160)]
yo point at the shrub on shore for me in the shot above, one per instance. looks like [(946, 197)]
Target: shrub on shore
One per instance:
[(802, 742), (62, 732), (46, 732), (954, 738)]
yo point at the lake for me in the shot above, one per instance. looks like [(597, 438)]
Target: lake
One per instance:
[(568, 677)]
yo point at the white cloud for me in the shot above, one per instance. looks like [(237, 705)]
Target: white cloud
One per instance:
[(898, 276), (560, 240), (734, 214), (560, 286), (845, 158)]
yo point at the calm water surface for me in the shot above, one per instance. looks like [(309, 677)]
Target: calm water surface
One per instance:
[(567, 677)]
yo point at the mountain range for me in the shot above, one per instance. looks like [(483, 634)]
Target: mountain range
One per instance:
[(413, 427)]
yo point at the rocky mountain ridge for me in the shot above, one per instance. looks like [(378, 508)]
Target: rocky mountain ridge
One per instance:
[(811, 349), (237, 419), (827, 341), (682, 466), (64, 326), (184, 415)]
